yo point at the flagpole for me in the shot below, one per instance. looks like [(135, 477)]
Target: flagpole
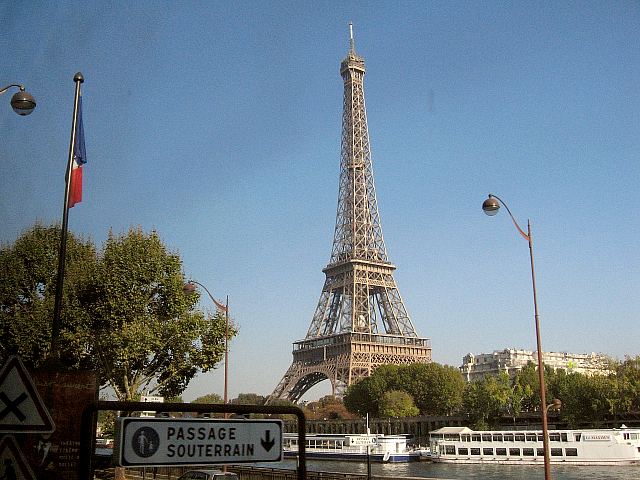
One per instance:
[(55, 329)]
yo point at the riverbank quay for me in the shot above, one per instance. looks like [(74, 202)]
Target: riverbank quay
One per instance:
[(244, 473)]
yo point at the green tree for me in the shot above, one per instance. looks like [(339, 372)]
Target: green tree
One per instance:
[(249, 399), (327, 407), (526, 389), (586, 399), (208, 398), (436, 389), (363, 397), (627, 374), (397, 403), (28, 275), (148, 333), (487, 400)]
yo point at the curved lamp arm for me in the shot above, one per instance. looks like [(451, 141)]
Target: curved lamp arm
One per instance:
[(4, 89), (188, 288), (491, 207)]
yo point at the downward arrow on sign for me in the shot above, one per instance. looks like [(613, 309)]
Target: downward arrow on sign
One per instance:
[(267, 442)]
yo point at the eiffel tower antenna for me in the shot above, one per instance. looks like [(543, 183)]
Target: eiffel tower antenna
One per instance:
[(352, 47), (360, 321)]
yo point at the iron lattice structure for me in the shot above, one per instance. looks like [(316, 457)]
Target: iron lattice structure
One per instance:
[(360, 322)]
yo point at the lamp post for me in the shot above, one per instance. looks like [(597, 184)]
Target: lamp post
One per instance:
[(190, 287), (491, 206), (22, 102)]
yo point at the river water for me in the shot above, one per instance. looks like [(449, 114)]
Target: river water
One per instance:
[(463, 472)]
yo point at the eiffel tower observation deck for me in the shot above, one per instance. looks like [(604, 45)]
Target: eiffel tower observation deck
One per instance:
[(360, 322)]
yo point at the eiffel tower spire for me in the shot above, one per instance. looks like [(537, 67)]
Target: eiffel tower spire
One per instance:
[(360, 321)]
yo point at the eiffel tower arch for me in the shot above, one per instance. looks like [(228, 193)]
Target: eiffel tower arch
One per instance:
[(360, 321)]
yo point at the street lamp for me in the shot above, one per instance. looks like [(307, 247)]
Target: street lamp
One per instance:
[(189, 288), (22, 102), (491, 206), (555, 405)]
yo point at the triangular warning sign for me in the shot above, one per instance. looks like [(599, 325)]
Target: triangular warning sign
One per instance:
[(21, 408), (12, 462)]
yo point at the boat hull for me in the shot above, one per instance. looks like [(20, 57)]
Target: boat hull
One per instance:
[(357, 457), (584, 447), (536, 461)]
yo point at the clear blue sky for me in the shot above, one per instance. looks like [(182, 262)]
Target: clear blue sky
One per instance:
[(218, 125)]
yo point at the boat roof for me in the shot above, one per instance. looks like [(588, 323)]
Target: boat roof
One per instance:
[(452, 430), (458, 430)]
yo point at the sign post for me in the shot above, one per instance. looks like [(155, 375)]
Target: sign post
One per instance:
[(173, 441), (165, 441)]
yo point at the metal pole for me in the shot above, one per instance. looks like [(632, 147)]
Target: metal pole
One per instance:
[(55, 328), (491, 208), (226, 349), (225, 397), (543, 388)]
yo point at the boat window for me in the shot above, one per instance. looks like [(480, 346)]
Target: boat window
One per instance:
[(501, 451), (486, 437), (540, 452), (625, 436), (466, 437), (463, 451), (519, 437), (577, 436), (514, 452), (497, 437), (571, 452), (556, 452), (475, 437), (540, 437), (554, 437), (508, 437), (487, 451), (475, 451), (450, 450), (531, 437), (563, 437), (454, 437), (527, 452)]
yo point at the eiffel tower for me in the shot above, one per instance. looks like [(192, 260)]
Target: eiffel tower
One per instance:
[(360, 322)]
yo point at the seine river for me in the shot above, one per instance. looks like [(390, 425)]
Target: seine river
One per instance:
[(462, 472)]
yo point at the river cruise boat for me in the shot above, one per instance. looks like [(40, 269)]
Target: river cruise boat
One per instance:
[(567, 447), (381, 448)]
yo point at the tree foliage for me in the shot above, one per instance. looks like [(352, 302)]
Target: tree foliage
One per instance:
[(435, 389), (487, 400), (209, 398), (149, 334), (124, 311), (328, 407), (28, 275), (440, 390), (397, 403), (249, 399)]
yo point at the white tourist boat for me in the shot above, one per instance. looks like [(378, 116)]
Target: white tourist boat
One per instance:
[(568, 447), (356, 447)]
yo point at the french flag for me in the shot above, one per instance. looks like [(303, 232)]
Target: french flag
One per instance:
[(79, 159)]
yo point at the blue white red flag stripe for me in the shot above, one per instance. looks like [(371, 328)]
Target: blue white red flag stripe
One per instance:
[(79, 159)]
